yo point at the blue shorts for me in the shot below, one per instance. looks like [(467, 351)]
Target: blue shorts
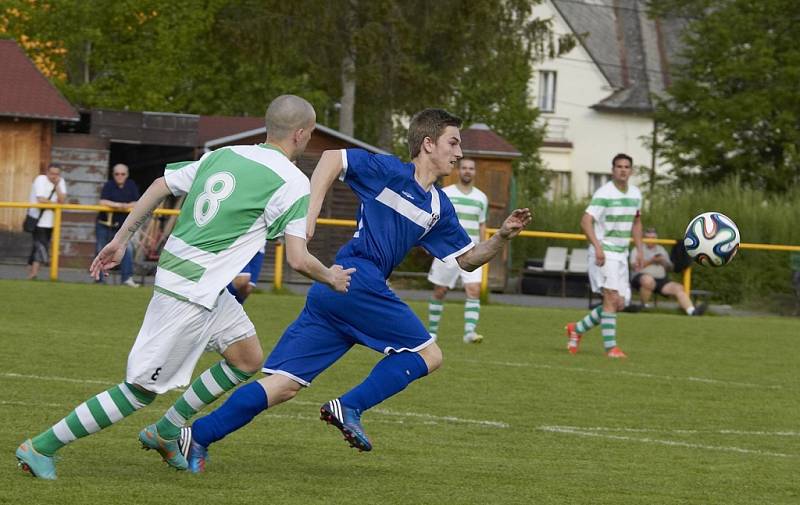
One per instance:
[(253, 268), (369, 314)]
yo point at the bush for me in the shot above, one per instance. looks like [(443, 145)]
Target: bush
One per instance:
[(753, 277)]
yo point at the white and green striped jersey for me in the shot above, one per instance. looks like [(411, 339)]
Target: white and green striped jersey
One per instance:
[(471, 209), (614, 212), (236, 198)]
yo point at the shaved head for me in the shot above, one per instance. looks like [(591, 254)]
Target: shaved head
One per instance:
[(287, 114)]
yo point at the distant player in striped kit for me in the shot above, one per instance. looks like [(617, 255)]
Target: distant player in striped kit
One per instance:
[(471, 207), (611, 219), (236, 198)]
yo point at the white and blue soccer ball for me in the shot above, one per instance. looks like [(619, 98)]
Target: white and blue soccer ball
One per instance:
[(712, 239)]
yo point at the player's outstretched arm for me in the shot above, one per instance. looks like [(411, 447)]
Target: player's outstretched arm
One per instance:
[(111, 254), (327, 170), (486, 250), (304, 262)]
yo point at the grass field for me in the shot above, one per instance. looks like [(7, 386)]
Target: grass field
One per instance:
[(705, 410)]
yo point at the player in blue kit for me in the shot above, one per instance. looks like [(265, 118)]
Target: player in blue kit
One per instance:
[(400, 208)]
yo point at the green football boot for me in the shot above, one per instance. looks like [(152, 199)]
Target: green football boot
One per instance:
[(35, 463), (169, 450)]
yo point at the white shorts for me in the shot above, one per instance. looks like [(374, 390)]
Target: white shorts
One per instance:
[(446, 274), (175, 333), (613, 275)]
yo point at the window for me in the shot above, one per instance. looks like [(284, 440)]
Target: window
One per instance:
[(597, 180), (547, 91), (560, 185)]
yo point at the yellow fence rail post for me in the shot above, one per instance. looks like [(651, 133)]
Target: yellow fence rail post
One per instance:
[(687, 280), (485, 284), (56, 245), (277, 281)]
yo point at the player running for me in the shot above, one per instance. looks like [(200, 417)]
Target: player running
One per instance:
[(400, 208), (236, 198)]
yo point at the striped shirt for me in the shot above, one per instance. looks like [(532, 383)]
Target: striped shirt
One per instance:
[(236, 198), (614, 213), (471, 209)]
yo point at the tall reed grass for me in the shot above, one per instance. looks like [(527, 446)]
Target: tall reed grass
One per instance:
[(754, 277)]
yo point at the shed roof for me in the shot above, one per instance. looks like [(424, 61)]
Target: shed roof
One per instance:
[(480, 140), (216, 130), (25, 92)]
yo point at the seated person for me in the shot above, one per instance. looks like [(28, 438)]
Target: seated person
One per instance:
[(653, 277)]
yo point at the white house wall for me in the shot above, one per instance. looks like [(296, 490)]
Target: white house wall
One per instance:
[(595, 136)]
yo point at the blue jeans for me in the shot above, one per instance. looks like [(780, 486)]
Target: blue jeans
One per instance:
[(104, 234)]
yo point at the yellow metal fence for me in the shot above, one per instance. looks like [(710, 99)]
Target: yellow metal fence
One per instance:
[(58, 209)]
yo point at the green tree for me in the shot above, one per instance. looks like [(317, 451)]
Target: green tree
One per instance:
[(146, 55), (733, 109), (366, 65)]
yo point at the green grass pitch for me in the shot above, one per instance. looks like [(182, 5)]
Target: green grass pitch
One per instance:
[(704, 410)]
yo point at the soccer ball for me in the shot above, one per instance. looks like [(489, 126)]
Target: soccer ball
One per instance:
[(712, 239)]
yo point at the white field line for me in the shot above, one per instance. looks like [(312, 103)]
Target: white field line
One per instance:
[(687, 432), (424, 418), (626, 373), (57, 379), (583, 432), (429, 418), (32, 404)]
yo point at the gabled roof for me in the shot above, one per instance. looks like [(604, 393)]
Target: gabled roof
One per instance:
[(217, 130), (631, 50), (25, 92), (479, 140)]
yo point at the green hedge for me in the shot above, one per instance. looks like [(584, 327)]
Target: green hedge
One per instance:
[(753, 277)]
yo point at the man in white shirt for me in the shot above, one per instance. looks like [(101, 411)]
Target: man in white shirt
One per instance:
[(48, 187)]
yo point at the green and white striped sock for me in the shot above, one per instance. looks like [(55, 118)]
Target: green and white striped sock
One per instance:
[(211, 384), (472, 312), (608, 325), (435, 308), (93, 415), (589, 321)]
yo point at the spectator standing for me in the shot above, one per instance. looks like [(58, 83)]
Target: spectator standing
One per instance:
[(119, 193), (46, 188), (652, 276)]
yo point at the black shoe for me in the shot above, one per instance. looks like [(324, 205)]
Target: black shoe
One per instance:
[(700, 309)]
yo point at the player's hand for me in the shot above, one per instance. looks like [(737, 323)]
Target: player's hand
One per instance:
[(519, 219), (600, 257), (340, 278), (109, 257)]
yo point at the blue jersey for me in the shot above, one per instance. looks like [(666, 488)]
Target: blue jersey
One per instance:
[(396, 213)]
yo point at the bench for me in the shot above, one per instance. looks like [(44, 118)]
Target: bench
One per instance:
[(554, 276)]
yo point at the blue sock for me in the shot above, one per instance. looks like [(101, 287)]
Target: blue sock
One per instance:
[(390, 376), (243, 405)]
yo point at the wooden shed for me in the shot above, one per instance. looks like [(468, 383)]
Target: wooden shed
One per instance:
[(493, 156), (29, 108)]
